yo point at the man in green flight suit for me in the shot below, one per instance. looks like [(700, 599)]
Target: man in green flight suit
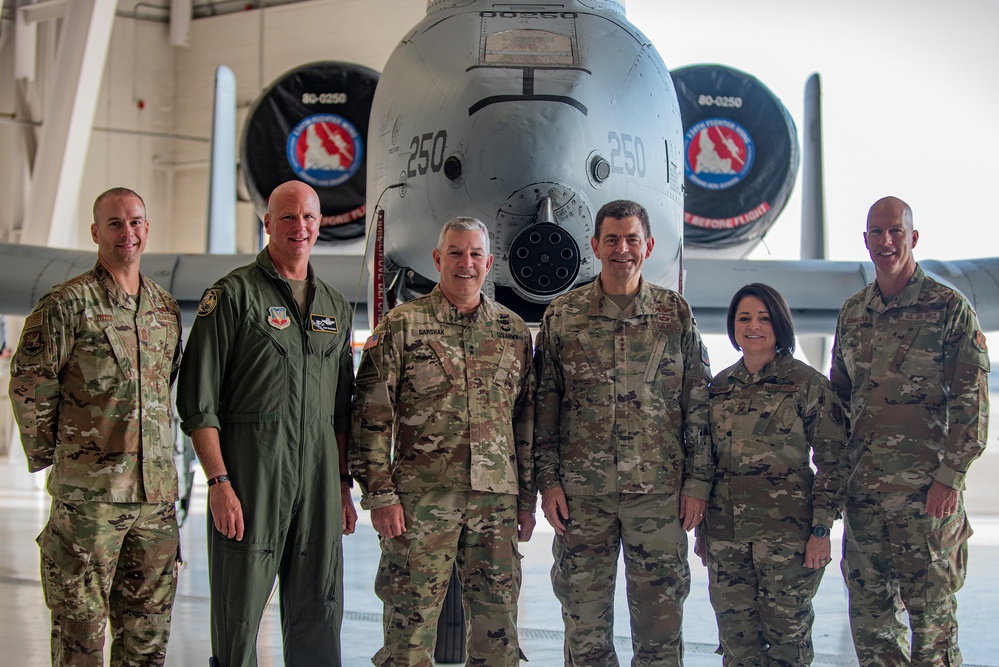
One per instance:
[(265, 394)]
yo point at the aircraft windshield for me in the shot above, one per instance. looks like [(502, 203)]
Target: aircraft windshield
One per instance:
[(528, 47)]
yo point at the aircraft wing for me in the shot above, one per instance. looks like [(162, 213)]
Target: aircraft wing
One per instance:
[(815, 289), (27, 273)]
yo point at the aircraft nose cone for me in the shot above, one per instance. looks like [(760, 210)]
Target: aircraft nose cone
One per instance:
[(544, 259)]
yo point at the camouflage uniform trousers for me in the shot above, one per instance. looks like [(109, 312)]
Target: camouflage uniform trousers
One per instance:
[(898, 558), (478, 531), (656, 572), (110, 561), (762, 595)]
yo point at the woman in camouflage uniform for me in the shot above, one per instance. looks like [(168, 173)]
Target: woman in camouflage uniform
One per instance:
[(766, 531)]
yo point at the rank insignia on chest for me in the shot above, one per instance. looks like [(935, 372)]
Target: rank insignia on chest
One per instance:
[(323, 323), (741, 407), (277, 317)]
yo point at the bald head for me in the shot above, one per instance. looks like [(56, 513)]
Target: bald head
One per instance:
[(292, 191), (891, 207), (890, 239), (292, 221)]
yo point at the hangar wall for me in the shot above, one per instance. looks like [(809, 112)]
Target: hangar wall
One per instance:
[(153, 117), (154, 111)]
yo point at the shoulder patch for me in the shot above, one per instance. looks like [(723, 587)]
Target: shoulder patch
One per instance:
[(31, 342), (980, 342), (704, 355), (33, 320), (372, 341), (208, 302)]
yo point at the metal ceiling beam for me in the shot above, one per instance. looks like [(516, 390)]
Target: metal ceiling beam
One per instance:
[(70, 105)]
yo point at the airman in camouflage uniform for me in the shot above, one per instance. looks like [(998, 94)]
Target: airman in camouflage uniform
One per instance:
[(90, 387), (622, 454), (911, 363), (768, 519), (441, 443)]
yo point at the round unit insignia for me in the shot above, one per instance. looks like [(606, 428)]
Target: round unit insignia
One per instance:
[(719, 153), (325, 150), (208, 303)]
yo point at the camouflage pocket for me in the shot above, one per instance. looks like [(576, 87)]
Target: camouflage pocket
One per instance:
[(948, 563), (102, 359), (504, 377), (792, 588), (580, 356), (66, 575), (393, 579), (429, 370)]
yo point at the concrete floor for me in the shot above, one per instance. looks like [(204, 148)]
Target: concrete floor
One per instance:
[(24, 621)]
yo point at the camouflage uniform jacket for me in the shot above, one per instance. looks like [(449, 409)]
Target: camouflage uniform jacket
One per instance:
[(913, 374), (763, 426), (275, 384), (454, 394), (622, 403), (90, 386)]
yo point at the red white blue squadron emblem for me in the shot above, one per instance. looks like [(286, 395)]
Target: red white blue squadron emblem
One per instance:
[(719, 153), (325, 150)]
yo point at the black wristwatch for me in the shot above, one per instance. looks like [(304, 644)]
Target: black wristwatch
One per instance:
[(347, 479), (820, 531), (218, 480)]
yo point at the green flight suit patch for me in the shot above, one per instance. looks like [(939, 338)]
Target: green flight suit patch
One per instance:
[(208, 302)]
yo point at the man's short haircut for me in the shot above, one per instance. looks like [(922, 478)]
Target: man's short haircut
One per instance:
[(620, 209), (780, 315), (116, 192), (463, 224)]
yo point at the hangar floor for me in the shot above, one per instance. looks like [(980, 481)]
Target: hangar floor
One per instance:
[(24, 619)]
